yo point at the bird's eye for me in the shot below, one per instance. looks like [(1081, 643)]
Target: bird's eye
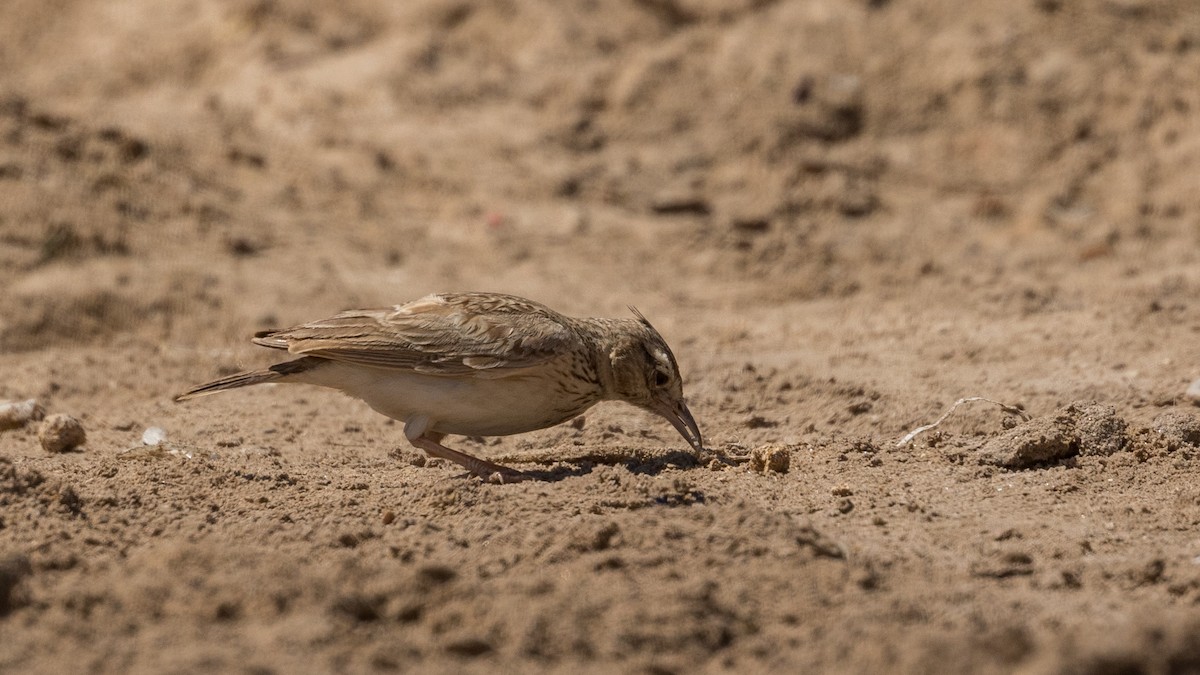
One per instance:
[(661, 379)]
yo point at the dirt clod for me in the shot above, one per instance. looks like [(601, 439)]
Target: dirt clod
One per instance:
[(1101, 432), (771, 459), (1080, 428), (61, 433), (1178, 428)]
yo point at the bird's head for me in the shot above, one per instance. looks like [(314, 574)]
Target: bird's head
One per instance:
[(645, 374)]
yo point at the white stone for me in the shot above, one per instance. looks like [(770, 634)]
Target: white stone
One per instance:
[(153, 436), (16, 414), (1193, 392)]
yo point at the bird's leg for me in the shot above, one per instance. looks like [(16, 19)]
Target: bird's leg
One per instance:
[(488, 471), (417, 431)]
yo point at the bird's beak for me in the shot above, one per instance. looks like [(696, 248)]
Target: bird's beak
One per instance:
[(680, 417)]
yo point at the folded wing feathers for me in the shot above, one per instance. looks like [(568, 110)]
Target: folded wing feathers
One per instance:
[(443, 343)]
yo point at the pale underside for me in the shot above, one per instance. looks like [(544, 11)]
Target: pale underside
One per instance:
[(468, 406)]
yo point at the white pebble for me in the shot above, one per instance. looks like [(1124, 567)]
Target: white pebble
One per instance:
[(153, 436), (16, 414), (1193, 392)]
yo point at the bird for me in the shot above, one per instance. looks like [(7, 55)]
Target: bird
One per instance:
[(477, 364)]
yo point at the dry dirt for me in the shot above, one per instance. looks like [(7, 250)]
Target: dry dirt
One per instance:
[(843, 215)]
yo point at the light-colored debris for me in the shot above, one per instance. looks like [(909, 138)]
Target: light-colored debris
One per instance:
[(1013, 410), (16, 414), (153, 436), (1192, 393), (146, 453)]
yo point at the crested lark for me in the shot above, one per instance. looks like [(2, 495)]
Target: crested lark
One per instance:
[(477, 364)]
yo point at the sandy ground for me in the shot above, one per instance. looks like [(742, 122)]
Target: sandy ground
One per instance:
[(843, 215)]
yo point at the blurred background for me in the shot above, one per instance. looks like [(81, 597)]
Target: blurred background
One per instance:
[(214, 167)]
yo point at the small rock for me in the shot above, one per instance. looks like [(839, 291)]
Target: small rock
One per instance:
[(1192, 393), (153, 436), (16, 414), (61, 433), (768, 458)]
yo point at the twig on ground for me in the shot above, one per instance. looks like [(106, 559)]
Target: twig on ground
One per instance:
[(1011, 409)]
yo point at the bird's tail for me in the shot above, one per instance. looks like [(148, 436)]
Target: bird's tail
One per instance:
[(249, 377)]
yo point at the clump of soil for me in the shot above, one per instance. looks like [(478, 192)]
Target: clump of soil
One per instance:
[(1178, 428), (1080, 428)]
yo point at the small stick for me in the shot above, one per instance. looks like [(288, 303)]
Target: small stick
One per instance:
[(1012, 410)]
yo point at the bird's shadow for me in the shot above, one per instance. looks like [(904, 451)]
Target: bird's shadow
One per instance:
[(646, 465)]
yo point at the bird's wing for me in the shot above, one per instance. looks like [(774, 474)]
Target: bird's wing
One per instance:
[(485, 335)]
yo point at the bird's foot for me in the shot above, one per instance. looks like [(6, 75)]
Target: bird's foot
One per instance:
[(505, 476), (489, 472)]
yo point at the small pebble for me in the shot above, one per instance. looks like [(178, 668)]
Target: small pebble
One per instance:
[(1193, 392), (60, 433), (16, 414), (153, 436)]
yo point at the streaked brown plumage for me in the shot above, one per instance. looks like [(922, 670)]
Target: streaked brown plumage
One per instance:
[(477, 364)]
